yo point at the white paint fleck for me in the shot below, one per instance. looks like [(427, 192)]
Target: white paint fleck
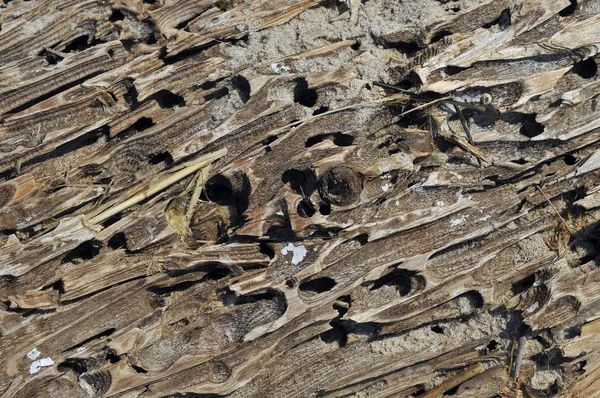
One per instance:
[(80, 349), (33, 354), (279, 68), (298, 252), (397, 203), (385, 187), (537, 283), (480, 347), (457, 221), (279, 213), (485, 218), (37, 365), (532, 307)]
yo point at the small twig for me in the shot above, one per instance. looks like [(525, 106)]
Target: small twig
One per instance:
[(519, 358), (564, 222), (341, 304), (464, 123), (200, 179), (465, 127), (159, 186), (56, 52), (512, 351)]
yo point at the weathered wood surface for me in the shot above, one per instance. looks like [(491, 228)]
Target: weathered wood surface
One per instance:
[(184, 213)]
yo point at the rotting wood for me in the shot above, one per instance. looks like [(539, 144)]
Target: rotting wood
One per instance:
[(285, 198)]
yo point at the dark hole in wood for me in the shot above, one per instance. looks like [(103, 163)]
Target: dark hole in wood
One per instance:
[(586, 69), (77, 365), (530, 128), (492, 345), (451, 70), (475, 298), (85, 251), (503, 20), (138, 369), (167, 99), (303, 95), (520, 161), (225, 192), (131, 96), (303, 182), (437, 329), (142, 124), (242, 86), (325, 209), (337, 334), (420, 391), (411, 80), (77, 44), (570, 159), (399, 278), (318, 285), (439, 36), (117, 241), (452, 391), (268, 141), (340, 186), (117, 15), (321, 110), (356, 46), (568, 10), (58, 286), (266, 249), (339, 139), (523, 284), (111, 355), (290, 283), (305, 208), (208, 85), (217, 94), (97, 336), (162, 157)]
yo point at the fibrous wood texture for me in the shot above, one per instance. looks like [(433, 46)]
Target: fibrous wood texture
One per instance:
[(205, 198)]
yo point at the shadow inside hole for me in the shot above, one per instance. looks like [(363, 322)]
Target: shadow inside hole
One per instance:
[(317, 285), (242, 86), (568, 10), (143, 123), (85, 251), (305, 208), (303, 182), (530, 127), (586, 69), (570, 159), (117, 241), (339, 139), (401, 279), (503, 21), (161, 157), (303, 95), (117, 15), (321, 110), (220, 190), (167, 99)]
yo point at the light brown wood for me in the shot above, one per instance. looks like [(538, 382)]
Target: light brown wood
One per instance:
[(281, 198)]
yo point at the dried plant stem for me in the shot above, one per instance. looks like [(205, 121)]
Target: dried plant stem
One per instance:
[(200, 180), (159, 185)]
